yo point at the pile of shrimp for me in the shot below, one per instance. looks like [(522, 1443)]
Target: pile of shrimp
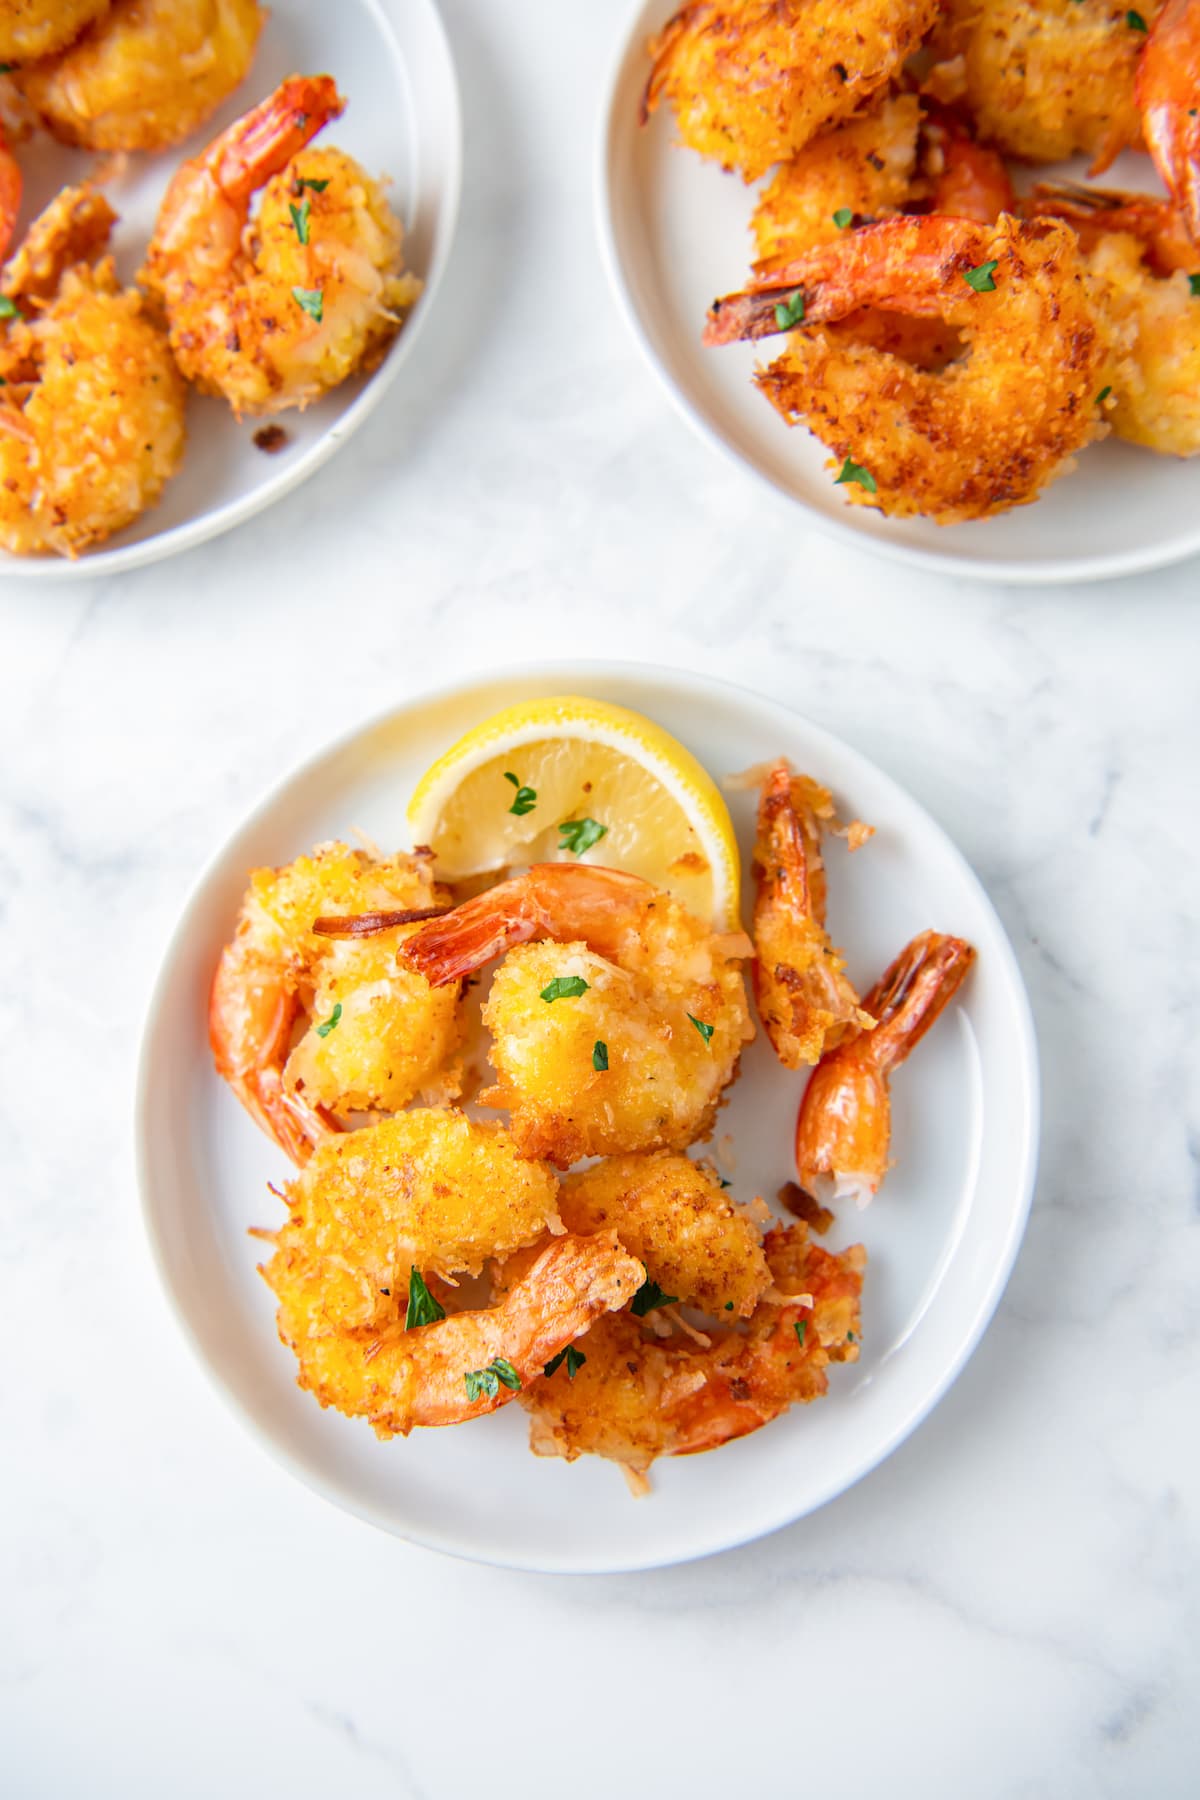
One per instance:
[(954, 346), (436, 1264), (274, 273)]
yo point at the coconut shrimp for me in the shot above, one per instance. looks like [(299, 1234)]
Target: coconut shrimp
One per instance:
[(697, 1247), (147, 74), (1141, 258), (989, 431), (32, 28), (378, 1216), (805, 1001), (618, 1030), (752, 81), (632, 1397), (843, 1130), (375, 1034), (274, 312), (92, 407), (1168, 96)]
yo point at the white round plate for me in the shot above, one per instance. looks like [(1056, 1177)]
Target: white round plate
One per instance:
[(941, 1236), (674, 232), (392, 62)]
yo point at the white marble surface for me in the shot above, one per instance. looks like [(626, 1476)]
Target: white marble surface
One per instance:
[(1009, 1606)]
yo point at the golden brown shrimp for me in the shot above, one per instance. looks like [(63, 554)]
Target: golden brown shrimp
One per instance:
[(843, 1130), (429, 1194), (274, 312), (1168, 96), (147, 74), (805, 1001), (32, 28), (1142, 259), (752, 81), (377, 1035), (992, 429), (619, 1032), (633, 1397), (92, 407), (697, 1247)]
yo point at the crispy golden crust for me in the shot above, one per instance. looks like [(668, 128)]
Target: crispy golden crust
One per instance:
[(1155, 374), (752, 81), (866, 166), (31, 28), (148, 74)]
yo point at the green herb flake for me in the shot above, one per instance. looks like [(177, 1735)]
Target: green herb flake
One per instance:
[(324, 1030), (487, 1382), (790, 312), (1102, 396), (705, 1031), (600, 1057), (842, 217), (1135, 21), (525, 798), (9, 308), (300, 216), (311, 301), (423, 1309), (851, 1338), (1194, 284), (578, 835), (318, 187), (564, 987), (573, 1358), (724, 1183), (980, 278), (852, 471), (648, 1296), (801, 1327), (729, 1306), (7, 68)]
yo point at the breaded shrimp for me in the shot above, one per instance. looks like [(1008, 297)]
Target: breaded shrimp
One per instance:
[(844, 1126), (92, 407), (32, 28), (991, 430), (634, 1397), (147, 74), (274, 312), (672, 1215), (752, 81), (805, 1001), (377, 1034), (426, 1194), (620, 1031)]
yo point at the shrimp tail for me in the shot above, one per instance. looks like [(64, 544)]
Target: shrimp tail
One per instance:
[(1168, 77), (913, 992), (264, 140), (250, 1020)]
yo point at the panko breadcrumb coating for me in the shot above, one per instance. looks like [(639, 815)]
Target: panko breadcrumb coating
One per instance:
[(1155, 384), (32, 28)]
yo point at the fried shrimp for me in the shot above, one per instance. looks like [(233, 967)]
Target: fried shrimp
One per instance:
[(377, 1035), (843, 1130), (429, 1193), (92, 407), (752, 81), (989, 431), (697, 1247), (147, 74), (805, 1000), (32, 28), (634, 1397), (620, 1031), (274, 312)]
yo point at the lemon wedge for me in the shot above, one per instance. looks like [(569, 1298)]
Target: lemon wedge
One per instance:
[(535, 782)]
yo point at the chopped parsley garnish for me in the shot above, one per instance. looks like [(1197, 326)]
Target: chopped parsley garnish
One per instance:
[(1194, 284), (600, 1056), (790, 312), (850, 1338), (980, 278), (7, 68), (481, 1382), (852, 471), (705, 1031), (801, 1326), (578, 835), (324, 1030), (300, 215), (648, 1296), (729, 1306), (1102, 396), (842, 217), (311, 301), (318, 187), (1135, 21), (525, 798), (724, 1183), (9, 308), (423, 1309), (564, 987), (574, 1359)]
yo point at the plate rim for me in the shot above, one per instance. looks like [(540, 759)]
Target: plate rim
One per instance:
[(1046, 573), (1026, 1069), (192, 532)]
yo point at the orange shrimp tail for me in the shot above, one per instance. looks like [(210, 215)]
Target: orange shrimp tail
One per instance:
[(264, 140), (11, 188), (913, 992), (780, 852), (1166, 89), (249, 1028), (973, 182), (1095, 212)]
